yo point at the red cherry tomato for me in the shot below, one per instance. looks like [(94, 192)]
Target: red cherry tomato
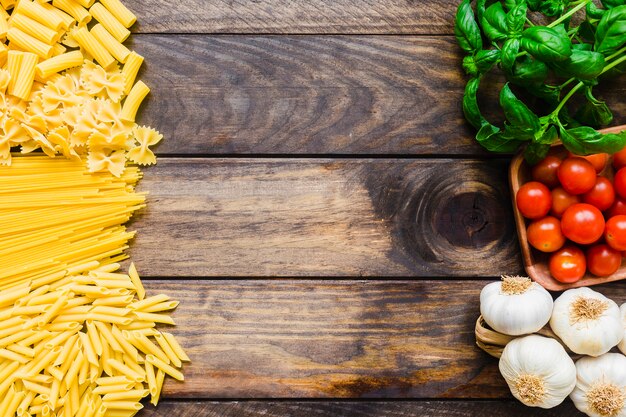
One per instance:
[(582, 223), (615, 232), (533, 200), (602, 195), (602, 260), (561, 200), (568, 264), (577, 175), (619, 159), (618, 207), (545, 171), (619, 182), (545, 234), (598, 160)]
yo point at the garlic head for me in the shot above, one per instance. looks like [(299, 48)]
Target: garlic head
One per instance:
[(622, 344), (515, 306), (601, 386), (538, 371), (587, 322)]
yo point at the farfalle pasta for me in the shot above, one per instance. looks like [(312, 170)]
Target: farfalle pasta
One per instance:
[(64, 65)]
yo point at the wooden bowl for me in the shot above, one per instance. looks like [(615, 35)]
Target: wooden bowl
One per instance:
[(536, 262)]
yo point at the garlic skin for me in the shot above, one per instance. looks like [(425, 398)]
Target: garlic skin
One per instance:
[(601, 386), (515, 306), (587, 322), (622, 344), (538, 370)]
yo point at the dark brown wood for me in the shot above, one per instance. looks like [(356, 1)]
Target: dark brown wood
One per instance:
[(301, 16), (333, 217), (313, 95), (354, 409), (351, 339)]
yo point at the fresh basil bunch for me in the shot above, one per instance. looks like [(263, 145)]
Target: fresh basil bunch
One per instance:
[(553, 62)]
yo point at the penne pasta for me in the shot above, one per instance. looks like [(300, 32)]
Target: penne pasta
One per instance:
[(110, 23), (121, 13), (28, 43), (130, 70), (59, 63), (94, 48), (115, 47)]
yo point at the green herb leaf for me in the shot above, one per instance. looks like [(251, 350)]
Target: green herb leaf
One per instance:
[(546, 44), (528, 72), (594, 112), (470, 103), (516, 18), (486, 59), (584, 65), (534, 4), (517, 113), (494, 22), (552, 8), (593, 11), (466, 29), (490, 138), (549, 136), (611, 31), (584, 140), (536, 152), (509, 53), (588, 31), (470, 66), (609, 4), (480, 9)]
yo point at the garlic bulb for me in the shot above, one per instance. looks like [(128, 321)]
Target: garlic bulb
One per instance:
[(601, 386), (622, 344), (515, 306), (587, 322), (538, 371)]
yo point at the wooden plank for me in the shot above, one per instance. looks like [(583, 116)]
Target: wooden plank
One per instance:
[(305, 95), (313, 95), (338, 339), (331, 218), (354, 409), (285, 16)]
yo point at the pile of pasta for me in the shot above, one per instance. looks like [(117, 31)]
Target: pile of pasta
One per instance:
[(62, 89), (77, 338)]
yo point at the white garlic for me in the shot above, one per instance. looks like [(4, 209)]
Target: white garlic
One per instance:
[(601, 386), (622, 344), (515, 306), (538, 370), (587, 322)]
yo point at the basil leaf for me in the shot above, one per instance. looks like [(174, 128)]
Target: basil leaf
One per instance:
[(585, 141), (490, 138), (611, 31), (593, 11), (486, 59), (584, 65), (509, 53), (609, 4), (534, 4), (536, 152), (546, 44), (494, 22), (469, 65), (527, 72), (466, 29), (549, 136), (480, 9), (470, 104), (516, 18), (581, 47), (552, 8), (587, 30), (594, 112), (516, 112)]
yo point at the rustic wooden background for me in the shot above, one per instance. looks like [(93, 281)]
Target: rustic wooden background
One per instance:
[(321, 209)]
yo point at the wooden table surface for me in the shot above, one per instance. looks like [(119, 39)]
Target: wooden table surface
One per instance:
[(321, 209)]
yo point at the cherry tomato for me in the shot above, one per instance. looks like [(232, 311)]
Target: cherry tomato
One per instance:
[(598, 160), (533, 200), (568, 264), (545, 234), (577, 175), (582, 223), (602, 195), (615, 232), (619, 159), (545, 171), (618, 207), (619, 182), (561, 200), (602, 260)]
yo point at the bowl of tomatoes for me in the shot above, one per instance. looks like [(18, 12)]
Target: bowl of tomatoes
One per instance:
[(570, 213)]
